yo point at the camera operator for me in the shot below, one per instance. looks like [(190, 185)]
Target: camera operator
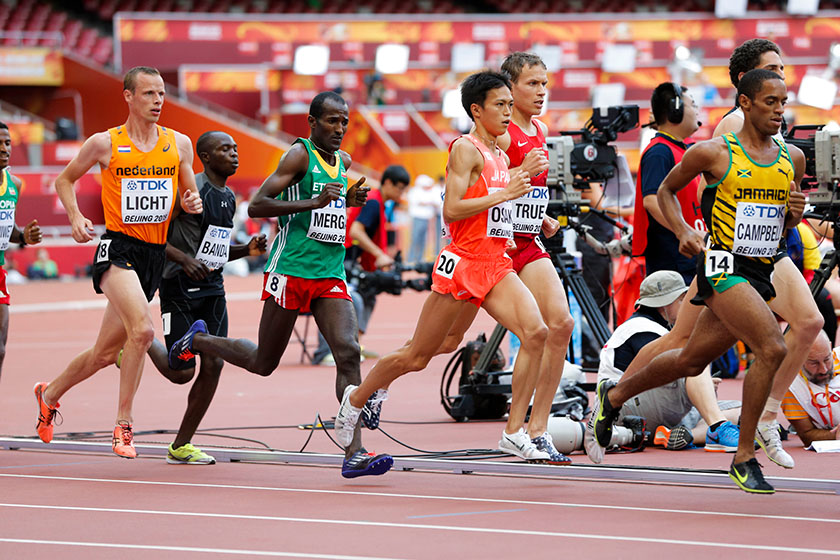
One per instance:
[(367, 244), (675, 114)]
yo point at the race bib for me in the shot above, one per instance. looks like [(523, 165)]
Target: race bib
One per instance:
[(758, 229), (500, 218), (7, 226), (146, 201), (214, 249), (103, 250), (166, 323), (529, 210), (446, 264), (328, 224), (719, 262), (275, 285)]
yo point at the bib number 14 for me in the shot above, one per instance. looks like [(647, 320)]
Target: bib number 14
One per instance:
[(719, 262)]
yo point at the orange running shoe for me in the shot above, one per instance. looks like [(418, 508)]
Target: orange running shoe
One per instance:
[(674, 439), (124, 441), (46, 413)]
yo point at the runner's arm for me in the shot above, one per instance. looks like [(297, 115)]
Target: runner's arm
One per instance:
[(291, 169), (31, 232), (193, 268), (257, 245), (463, 169), (96, 149), (190, 199)]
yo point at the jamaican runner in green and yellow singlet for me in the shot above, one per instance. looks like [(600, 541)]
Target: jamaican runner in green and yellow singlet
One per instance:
[(745, 212)]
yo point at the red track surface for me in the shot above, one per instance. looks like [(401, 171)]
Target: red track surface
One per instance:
[(98, 506)]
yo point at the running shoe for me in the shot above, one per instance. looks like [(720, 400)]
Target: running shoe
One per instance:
[(607, 414), (362, 463), (770, 439), (748, 477), (724, 439), (520, 444), (545, 444), (373, 409), (181, 352), (188, 454), (123, 442), (46, 413), (590, 444), (346, 419), (118, 363), (673, 439)]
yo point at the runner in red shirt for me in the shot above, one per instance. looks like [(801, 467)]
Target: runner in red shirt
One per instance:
[(473, 268)]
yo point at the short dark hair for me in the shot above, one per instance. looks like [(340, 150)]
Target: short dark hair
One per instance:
[(661, 99), (4, 126), (130, 78), (204, 142), (747, 56), (752, 82), (515, 62), (474, 89), (396, 174), (316, 107)]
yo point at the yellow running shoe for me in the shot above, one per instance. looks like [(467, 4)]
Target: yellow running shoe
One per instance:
[(188, 454)]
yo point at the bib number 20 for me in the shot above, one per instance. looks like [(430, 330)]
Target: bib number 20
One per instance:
[(446, 264), (719, 262)]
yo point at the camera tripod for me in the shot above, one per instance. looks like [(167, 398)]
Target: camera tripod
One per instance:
[(832, 257)]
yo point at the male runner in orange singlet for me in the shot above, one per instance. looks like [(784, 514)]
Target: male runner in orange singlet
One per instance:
[(474, 268), (144, 166)]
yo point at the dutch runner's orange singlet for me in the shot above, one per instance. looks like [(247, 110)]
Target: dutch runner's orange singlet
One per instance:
[(485, 233), (138, 188)]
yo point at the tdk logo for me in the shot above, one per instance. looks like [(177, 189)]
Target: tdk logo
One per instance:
[(7, 215), (765, 212), (220, 233), (538, 194), (147, 184)]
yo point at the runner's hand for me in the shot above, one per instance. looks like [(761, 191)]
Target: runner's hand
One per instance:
[(82, 229), (535, 162), (194, 269), (691, 242), (257, 245), (796, 203), (550, 226), (520, 184), (191, 202), (330, 192), (357, 194), (510, 245), (32, 233)]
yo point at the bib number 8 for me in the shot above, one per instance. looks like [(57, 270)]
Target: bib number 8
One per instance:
[(275, 285), (719, 262), (103, 250), (446, 264)]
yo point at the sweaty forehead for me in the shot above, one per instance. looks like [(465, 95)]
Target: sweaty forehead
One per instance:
[(4, 134), (334, 108), (498, 94), (775, 88), (770, 58)]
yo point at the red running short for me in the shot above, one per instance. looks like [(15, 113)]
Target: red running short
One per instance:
[(292, 292), (466, 276), (528, 249), (4, 293)]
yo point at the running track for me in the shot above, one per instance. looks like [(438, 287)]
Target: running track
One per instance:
[(79, 505)]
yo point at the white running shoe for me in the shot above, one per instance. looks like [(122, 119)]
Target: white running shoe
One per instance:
[(520, 444), (590, 443), (768, 437), (346, 419)]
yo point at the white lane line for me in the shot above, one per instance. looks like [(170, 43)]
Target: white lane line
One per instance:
[(430, 497), (501, 532), (193, 549)]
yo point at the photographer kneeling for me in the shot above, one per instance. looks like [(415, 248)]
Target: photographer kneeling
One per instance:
[(367, 244)]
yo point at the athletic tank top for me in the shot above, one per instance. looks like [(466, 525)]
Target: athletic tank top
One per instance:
[(485, 233), (528, 210), (747, 207), (138, 188), (8, 202), (311, 244)]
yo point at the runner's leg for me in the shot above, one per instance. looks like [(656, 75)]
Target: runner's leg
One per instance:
[(512, 305), (4, 332), (701, 393), (542, 280)]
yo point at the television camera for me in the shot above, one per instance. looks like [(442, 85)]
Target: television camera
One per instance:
[(372, 283)]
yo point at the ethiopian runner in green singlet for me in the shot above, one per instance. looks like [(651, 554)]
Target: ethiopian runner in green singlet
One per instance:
[(9, 232), (753, 196), (309, 194)]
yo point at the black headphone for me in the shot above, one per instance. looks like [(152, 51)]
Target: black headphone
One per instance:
[(676, 109)]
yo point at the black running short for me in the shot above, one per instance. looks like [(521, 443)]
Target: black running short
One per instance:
[(759, 275), (178, 314), (124, 251)]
